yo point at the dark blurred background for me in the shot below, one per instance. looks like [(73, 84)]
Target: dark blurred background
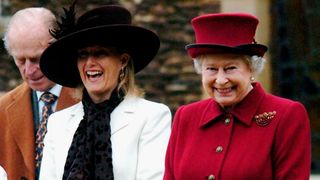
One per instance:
[(291, 29)]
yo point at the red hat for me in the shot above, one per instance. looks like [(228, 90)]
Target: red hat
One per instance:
[(225, 33)]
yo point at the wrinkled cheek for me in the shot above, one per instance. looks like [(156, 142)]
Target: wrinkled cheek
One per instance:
[(208, 88), (216, 96)]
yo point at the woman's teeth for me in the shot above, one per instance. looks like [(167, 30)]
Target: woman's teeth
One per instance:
[(94, 73)]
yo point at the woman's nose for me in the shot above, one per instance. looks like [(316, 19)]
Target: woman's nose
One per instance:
[(90, 60), (221, 77)]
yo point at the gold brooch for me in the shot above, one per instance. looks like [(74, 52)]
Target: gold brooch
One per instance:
[(265, 118)]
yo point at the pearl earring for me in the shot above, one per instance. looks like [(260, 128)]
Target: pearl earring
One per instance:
[(251, 78)]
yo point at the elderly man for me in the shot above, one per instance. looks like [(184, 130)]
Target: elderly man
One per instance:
[(24, 110)]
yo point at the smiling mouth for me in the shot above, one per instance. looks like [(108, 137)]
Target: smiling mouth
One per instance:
[(93, 74), (224, 90)]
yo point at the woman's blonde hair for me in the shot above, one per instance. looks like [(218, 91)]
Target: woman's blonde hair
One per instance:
[(127, 83)]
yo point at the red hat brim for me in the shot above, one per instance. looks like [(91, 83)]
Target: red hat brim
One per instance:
[(194, 50)]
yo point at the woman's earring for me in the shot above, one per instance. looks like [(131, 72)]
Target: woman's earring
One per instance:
[(251, 78), (121, 76)]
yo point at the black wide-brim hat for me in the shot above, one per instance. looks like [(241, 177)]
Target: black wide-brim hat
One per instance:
[(108, 26), (225, 33)]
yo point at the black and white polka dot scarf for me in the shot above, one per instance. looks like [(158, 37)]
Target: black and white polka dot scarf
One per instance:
[(90, 154)]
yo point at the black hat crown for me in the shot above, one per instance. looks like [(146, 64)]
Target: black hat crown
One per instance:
[(104, 16)]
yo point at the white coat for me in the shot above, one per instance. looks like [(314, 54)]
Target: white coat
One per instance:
[(3, 174), (140, 131)]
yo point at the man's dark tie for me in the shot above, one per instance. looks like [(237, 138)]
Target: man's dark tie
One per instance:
[(48, 100)]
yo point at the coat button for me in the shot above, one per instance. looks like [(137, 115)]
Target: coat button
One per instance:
[(211, 177), (226, 121), (219, 149)]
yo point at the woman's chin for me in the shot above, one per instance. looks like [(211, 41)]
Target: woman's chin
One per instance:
[(225, 102), (95, 91)]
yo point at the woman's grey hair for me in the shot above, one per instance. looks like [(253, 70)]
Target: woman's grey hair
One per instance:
[(256, 63), (34, 17)]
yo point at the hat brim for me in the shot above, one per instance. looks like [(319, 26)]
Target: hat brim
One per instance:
[(59, 61), (195, 50)]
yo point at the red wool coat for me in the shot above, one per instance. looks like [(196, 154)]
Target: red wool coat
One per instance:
[(263, 137)]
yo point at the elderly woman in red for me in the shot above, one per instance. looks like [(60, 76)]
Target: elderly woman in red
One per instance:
[(240, 132)]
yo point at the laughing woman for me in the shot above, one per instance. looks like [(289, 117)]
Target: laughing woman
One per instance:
[(113, 133), (240, 132)]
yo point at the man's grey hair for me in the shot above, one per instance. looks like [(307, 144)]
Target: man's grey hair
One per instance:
[(29, 18)]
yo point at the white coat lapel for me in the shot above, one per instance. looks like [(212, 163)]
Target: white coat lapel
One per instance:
[(75, 118), (120, 117)]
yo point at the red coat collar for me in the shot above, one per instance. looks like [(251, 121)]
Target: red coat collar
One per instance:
[(244, 111)]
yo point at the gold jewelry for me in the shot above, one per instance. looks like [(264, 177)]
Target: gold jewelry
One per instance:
[(121, 76), (265, 118)]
